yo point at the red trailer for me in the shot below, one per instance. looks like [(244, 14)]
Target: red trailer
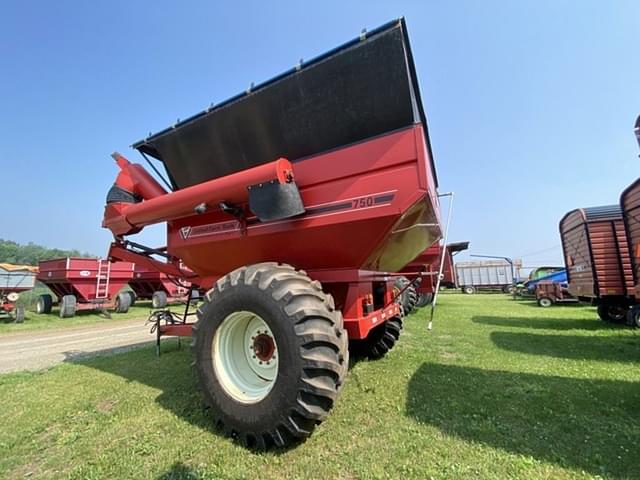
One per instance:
[(291, 202), (160, 288), (552, 293), (427, 266), (596, 256), (630, 204), (84, 284)]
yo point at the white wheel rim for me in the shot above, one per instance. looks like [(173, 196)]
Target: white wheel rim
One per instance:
[(245, 357)]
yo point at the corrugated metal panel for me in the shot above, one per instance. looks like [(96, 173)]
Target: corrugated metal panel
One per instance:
[(18, 279), (596, 252), (484, 274), (630, 202), (606, 212)]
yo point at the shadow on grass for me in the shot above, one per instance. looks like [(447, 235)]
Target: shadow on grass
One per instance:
[(172, 374), (179, 471), (589, 425), (616, 348), (546, 323)]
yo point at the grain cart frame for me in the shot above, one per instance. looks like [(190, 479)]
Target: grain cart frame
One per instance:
[(15, 279), (596, 255), (84, 284), (290, 202), (160, 288)]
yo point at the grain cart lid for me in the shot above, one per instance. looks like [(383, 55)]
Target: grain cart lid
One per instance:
[(458, 247), (364, 88), (607, 212)]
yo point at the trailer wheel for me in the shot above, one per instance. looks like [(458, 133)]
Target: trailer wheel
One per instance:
[(545, 302), (424, 299), (67, 306), (508, 289), (409, 297), (159, 299), (270, 354), (382, 338), (633, 316), (123, 302), (469, 290), (19, 314), (612, 313), (44, 304), (132, 297)]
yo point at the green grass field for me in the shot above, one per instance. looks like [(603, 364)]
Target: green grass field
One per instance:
[(499, 389)]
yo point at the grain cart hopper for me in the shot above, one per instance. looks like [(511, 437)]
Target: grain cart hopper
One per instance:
[(596, 256), (290, 202), (15, 279), (84, 284), (150, 284)]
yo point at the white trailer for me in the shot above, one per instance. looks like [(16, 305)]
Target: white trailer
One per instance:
[(487, 275)]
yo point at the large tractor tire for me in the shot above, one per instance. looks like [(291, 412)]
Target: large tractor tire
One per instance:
[(123, 302), (44, 304), (381, 339), (424, 299), (271, 354), (132, 296), (159, 299), (68, 306), (633, 316), (611, 313), (19, 314), (409, 296)]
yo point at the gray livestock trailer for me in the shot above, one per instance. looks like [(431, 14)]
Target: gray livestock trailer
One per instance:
[(487, 275)]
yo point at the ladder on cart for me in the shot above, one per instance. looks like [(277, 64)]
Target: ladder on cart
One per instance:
[(102, 279)]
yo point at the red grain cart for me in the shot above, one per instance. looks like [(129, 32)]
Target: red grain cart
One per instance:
[(427, 267), (596, 256), (84, 284), (150, 284), (291, 202)]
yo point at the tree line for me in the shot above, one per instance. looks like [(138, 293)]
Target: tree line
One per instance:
[(31, 254)]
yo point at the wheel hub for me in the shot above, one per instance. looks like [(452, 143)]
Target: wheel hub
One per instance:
[(245, 356), (264, 347)]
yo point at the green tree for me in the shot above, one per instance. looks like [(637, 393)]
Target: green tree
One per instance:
[(31, 254)]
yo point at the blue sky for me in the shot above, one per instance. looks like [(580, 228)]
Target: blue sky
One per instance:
[(530, 104)]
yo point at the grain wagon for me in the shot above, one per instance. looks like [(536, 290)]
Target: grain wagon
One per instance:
[(291, 203)]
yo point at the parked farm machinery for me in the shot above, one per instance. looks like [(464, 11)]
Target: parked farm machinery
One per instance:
[(160, 288), (290, 203), (596, 255), (15, 279), (84, 284)]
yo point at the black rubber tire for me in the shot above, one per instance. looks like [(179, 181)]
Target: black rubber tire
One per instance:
[(19, 314), (382, 339), (545, 302), (159, 299), (409, 296), (67, 306), (312, 346), (424, 299), (133, 297), (469, 290), (611, 313), (44, 304), (633, 316), (508, 289), (122, 302)]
